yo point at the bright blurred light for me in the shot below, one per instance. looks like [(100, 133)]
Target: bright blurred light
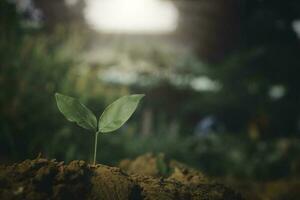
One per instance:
[(71, 2), (296, 27), (205, 84), (277, 92), (132, 16)]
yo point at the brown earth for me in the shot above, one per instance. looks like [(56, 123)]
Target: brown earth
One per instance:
[(283, 189), (145, 178)]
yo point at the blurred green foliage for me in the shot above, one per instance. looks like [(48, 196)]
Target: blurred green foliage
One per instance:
[(216, 154), (33, 66), (36, 63)]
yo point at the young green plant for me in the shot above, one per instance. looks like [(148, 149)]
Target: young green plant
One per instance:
[(112, 118)]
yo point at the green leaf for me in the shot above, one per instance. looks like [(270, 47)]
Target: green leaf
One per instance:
[(75, 111), (117, 113)]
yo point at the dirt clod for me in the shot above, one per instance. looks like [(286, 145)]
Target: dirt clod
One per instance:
[(48, 179)]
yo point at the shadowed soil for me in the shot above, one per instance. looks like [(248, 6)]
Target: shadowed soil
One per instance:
[(147, 177)]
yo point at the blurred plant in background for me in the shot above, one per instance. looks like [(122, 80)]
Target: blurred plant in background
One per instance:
[(33, 66), (218, 155), (252, 93)]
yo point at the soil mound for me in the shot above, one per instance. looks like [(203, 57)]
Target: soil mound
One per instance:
[(159, 166), (48, 179)]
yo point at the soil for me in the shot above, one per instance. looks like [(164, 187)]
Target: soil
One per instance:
[(147, 177), (282, 189)]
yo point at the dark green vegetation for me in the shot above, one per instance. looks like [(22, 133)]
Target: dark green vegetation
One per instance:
[(216, 155), (32, 68), (256, 98)]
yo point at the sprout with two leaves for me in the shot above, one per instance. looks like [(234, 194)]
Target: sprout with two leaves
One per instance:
[(112, 118)]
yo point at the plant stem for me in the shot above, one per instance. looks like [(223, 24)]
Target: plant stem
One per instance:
[(95, 147)]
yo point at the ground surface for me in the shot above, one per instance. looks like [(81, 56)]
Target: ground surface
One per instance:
[(147, 177)]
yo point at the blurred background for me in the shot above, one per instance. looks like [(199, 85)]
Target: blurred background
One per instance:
[(221, 79)]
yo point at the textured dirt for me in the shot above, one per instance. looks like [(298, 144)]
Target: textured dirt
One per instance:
[(283, 189), (48, 179)]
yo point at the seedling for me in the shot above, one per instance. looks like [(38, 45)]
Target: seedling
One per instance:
[(112, 118)]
